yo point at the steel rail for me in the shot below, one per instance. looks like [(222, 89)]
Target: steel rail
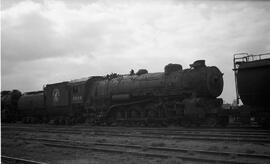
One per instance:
[(12, 160), (180, 129), (189, 133), (204, 137)]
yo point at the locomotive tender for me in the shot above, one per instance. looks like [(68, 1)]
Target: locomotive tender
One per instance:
[(252, 79), (175, 96), (9, 103)]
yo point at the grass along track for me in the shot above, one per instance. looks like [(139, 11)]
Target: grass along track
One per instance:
[(155, 151)]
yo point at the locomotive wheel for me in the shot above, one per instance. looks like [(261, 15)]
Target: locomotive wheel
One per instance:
[(134, 116), (134, 113), (119, 114), (117, 117), (30, 120), (264, 121), (67, 121), (152, 113), (211, 121), (223, 121), (61, 120), (45, 120), (24, 120), (185, 122)]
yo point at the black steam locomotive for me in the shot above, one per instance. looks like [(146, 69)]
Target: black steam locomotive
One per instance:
[(175, 96)]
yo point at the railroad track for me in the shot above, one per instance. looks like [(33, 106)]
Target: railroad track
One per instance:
[(13, 160), (205, 136), (169, 129), (159, 132), (157, 152)]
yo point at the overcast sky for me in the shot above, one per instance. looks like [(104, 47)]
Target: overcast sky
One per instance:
[(52, 41)]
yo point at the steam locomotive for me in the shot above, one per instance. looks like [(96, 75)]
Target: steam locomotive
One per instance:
[(175, 96)]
